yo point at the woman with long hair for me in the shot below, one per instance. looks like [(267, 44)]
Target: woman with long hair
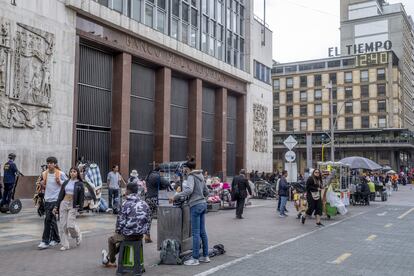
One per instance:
[(313, 196), (70, 200)]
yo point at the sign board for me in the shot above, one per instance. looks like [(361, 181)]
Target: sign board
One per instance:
[(290, 142), (290, 156), (309, 150), (292, 169)]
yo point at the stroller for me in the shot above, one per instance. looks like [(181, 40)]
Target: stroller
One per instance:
[(299, 198)]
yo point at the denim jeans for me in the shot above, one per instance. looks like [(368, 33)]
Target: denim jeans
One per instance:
[(113, 198), (198, 213), (283, 201)]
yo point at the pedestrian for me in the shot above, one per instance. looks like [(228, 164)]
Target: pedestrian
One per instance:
[(132, 223), (283, 193), (134, 178), (114, 180), (239, 188), (51, 183), (196, 191), (70, 201), (313, 196), (9, 179)]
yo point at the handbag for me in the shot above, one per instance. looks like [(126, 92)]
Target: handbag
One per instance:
[(316, 195)]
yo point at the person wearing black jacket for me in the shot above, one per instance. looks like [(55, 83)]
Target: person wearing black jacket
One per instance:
[(283, 194), (70, 200), (239, 187), (313, 196)]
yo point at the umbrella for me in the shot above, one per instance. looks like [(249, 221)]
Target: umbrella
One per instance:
[(391, 172), (386, 168), (357, 162)]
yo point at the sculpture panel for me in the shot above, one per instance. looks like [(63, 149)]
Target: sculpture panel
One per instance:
[(260, 134)]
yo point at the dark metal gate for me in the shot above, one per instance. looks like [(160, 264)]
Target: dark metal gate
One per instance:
[(208, 123), (93, 126), (231, 135), (141, 145), (179, 119)]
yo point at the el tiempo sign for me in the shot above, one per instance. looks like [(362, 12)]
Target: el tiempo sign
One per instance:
[(361, 48)]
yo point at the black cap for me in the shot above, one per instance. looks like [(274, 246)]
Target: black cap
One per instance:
[(12, 156)]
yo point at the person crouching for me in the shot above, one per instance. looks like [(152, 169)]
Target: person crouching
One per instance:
[(132, 223), (70, 200)]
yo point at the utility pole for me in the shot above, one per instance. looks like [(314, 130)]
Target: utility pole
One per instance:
[(332, 122)]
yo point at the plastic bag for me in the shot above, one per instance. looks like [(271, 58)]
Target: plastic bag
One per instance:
[(334, 201)]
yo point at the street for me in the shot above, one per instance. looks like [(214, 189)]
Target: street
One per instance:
[(370, 240)]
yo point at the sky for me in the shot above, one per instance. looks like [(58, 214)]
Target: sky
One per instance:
[(305, 29)]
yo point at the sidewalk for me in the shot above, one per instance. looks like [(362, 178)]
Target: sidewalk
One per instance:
[(261, 229)]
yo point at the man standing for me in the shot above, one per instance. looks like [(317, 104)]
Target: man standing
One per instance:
[(52, 180), (283, 194), (132, 223), (114, 178), (9, 179), (239, 188)]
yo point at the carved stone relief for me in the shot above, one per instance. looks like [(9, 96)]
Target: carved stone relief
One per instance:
[(26, 59), (260, 134)]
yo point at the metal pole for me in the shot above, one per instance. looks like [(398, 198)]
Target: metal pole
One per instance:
[(332, 123)]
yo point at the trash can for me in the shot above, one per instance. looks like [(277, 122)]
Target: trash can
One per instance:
[(174, 223)]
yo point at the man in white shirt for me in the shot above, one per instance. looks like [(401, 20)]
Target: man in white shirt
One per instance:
[(52, 180), (113, 180)]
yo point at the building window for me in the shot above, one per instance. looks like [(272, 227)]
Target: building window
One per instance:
[(348, 93), (364, 75), (303, 125), (364, 91), (348, 108), (303, 81), (365, 121), (318, 80), (289, 111), (303, 96), (135, 9), (318, 109), (318, 124), (289, 96), (276, 125), (380, 90), (335, 109), (276, 84), (334, 93), (348, 77), (303, 110), (276, 112), (382, 106), (364, 106), (276, 97), (261, 72), (289, 82), (382, 122), (149, 14), (318, 95), (332, 78), (349, 124), (289, 125), (381, 74)]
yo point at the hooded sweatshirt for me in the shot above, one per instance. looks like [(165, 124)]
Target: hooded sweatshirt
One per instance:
[(196, 189)]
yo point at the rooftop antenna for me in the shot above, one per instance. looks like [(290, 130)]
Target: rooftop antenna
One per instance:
[(264, 24)]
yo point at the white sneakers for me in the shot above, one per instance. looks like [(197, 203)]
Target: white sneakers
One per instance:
[(105, 260), (43, 245), (197, 262), (53, 243), (79, 239)]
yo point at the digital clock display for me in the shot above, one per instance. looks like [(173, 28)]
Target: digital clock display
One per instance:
[(371, 59)]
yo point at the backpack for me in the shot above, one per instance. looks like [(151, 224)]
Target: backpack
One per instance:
[(170, 252)]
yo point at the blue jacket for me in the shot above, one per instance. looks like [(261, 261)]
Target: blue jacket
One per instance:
[(10, 172)]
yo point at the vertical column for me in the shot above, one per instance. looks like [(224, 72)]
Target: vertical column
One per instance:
[(195, 106), (121, 106), (241, 133), (75, 102), (220, 139), (162, 115)]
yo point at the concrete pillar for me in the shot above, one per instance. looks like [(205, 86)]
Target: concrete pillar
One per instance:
[(162, 115), (241, 134), (195, 118), (75, 101), (121, 106), (220, 124)]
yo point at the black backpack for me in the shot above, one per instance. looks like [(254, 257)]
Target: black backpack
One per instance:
[(170, 252)]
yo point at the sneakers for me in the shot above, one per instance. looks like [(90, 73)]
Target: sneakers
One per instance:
[(79, 239), (319, 224), (192, 262), (109, 210), (282, 216), (303, 219), (204, 259), (43, 245), (53, 243), (64, 248), (105, 260), (148, 239)]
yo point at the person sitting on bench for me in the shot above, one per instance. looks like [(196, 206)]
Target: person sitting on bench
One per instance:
[(132, 223)]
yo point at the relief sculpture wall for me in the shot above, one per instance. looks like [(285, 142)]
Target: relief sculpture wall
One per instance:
[(260, 134), (25, 76)]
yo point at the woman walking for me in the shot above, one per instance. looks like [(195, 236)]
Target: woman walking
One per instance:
[(313, 196), (70, 200)]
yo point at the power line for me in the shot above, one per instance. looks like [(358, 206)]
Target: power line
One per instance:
[(310, 8)]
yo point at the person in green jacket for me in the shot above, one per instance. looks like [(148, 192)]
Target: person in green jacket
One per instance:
[(371, 186)]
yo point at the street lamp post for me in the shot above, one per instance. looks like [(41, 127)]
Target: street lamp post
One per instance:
[(332, 122)]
